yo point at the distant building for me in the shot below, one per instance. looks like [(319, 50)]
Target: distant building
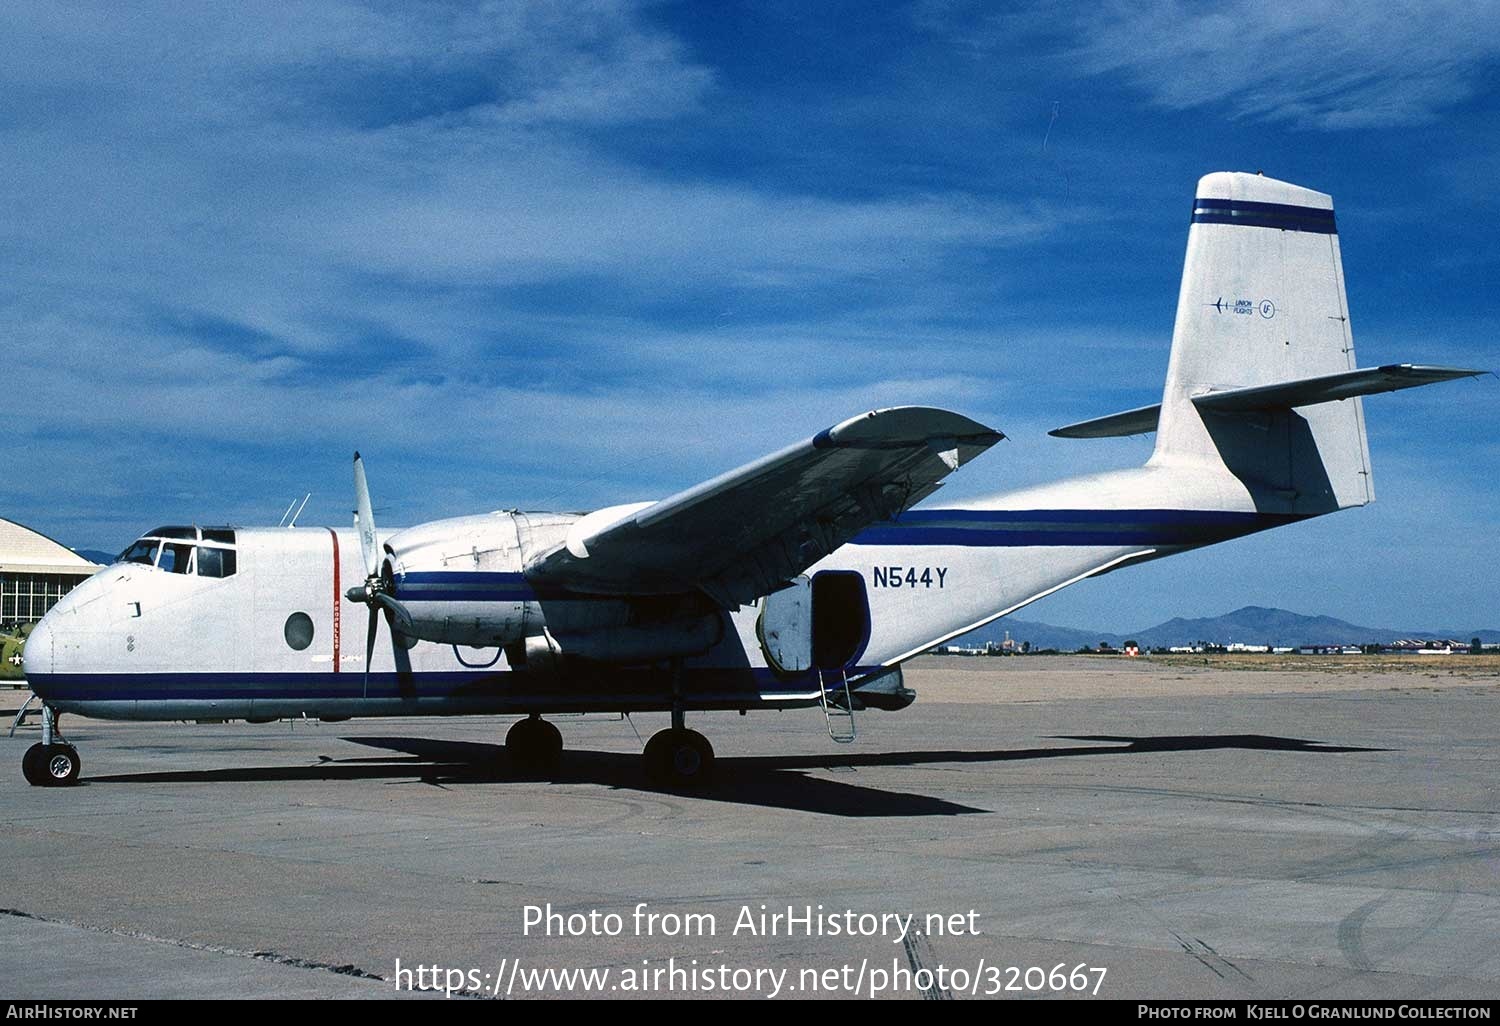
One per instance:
[(35, 572), (1429, 646)]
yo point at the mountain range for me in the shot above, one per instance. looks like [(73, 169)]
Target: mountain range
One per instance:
[(1250, 625)]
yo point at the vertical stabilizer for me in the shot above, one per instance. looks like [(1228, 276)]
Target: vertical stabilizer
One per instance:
[(1262, 302)]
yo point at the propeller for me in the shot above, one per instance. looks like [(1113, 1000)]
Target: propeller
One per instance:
[(376, 591)]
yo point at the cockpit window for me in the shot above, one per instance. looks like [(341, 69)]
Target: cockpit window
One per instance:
[(215, 562), (162, 549), (175, 557), (143, 551)]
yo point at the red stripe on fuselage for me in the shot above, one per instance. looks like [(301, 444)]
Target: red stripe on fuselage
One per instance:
[(336, 598)]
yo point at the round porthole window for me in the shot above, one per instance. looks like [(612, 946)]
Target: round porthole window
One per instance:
[(298, 631)]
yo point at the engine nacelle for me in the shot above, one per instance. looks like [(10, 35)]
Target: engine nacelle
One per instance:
[(645, 643), (460, 581)]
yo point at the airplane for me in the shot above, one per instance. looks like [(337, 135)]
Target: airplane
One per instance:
[(804, 579)]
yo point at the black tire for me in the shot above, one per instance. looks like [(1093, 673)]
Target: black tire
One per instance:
[(679, 758), (519, 740), (34, 765), (550, 741), (534, 745), (657, 758), (60, 765)]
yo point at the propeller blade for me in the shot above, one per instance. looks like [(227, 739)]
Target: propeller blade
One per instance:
[(364, 520), (370, 644), (398, 613)]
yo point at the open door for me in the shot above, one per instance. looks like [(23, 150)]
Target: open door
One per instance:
[(840, 619), (820, 624)]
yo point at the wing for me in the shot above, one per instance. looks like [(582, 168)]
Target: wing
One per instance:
[(744, 533)]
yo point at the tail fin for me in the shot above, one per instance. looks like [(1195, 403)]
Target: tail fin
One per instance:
[(1262, 380), (1263, 303)]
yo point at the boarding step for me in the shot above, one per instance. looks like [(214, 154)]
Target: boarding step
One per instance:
[(838, 705)]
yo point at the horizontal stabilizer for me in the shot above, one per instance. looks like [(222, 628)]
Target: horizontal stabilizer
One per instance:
[(1327, 388), (1139, 421)]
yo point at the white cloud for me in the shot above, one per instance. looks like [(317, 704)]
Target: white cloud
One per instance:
[(386, 169), (1317, 64), (160, 65), (516, 217)]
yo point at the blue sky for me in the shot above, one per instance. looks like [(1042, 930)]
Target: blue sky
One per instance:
[(562, 256)]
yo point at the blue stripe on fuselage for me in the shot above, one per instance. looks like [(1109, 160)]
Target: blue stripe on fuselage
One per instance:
[(1018, 528), (322, 685), (979, 528), (464, 586)]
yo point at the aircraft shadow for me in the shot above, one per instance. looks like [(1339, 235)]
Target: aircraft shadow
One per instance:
[(776, 781)]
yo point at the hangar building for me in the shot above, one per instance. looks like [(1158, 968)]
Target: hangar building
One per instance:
[(35, 572)]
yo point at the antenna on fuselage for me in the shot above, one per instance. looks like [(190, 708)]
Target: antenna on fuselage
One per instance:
[(282, 521), (299, 509)]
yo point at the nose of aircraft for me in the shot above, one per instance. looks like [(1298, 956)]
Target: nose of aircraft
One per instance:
[(37, 656)]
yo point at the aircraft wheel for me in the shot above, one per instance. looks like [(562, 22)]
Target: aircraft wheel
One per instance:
[(54, 765), (33, 765), (679, 758), (534, 745)]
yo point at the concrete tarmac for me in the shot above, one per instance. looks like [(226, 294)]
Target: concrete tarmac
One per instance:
[(1192, 831)]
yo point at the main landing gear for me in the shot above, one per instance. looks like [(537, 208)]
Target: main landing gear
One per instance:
[(675, 757), (53, 762), (678, 757), (534, 745)]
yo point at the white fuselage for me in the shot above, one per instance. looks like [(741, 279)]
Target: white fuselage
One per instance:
[(138, 641)]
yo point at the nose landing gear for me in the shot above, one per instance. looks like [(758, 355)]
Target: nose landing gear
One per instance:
[(53, 762), (54, 765)]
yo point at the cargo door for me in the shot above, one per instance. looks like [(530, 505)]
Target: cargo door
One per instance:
[(785, 627)]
